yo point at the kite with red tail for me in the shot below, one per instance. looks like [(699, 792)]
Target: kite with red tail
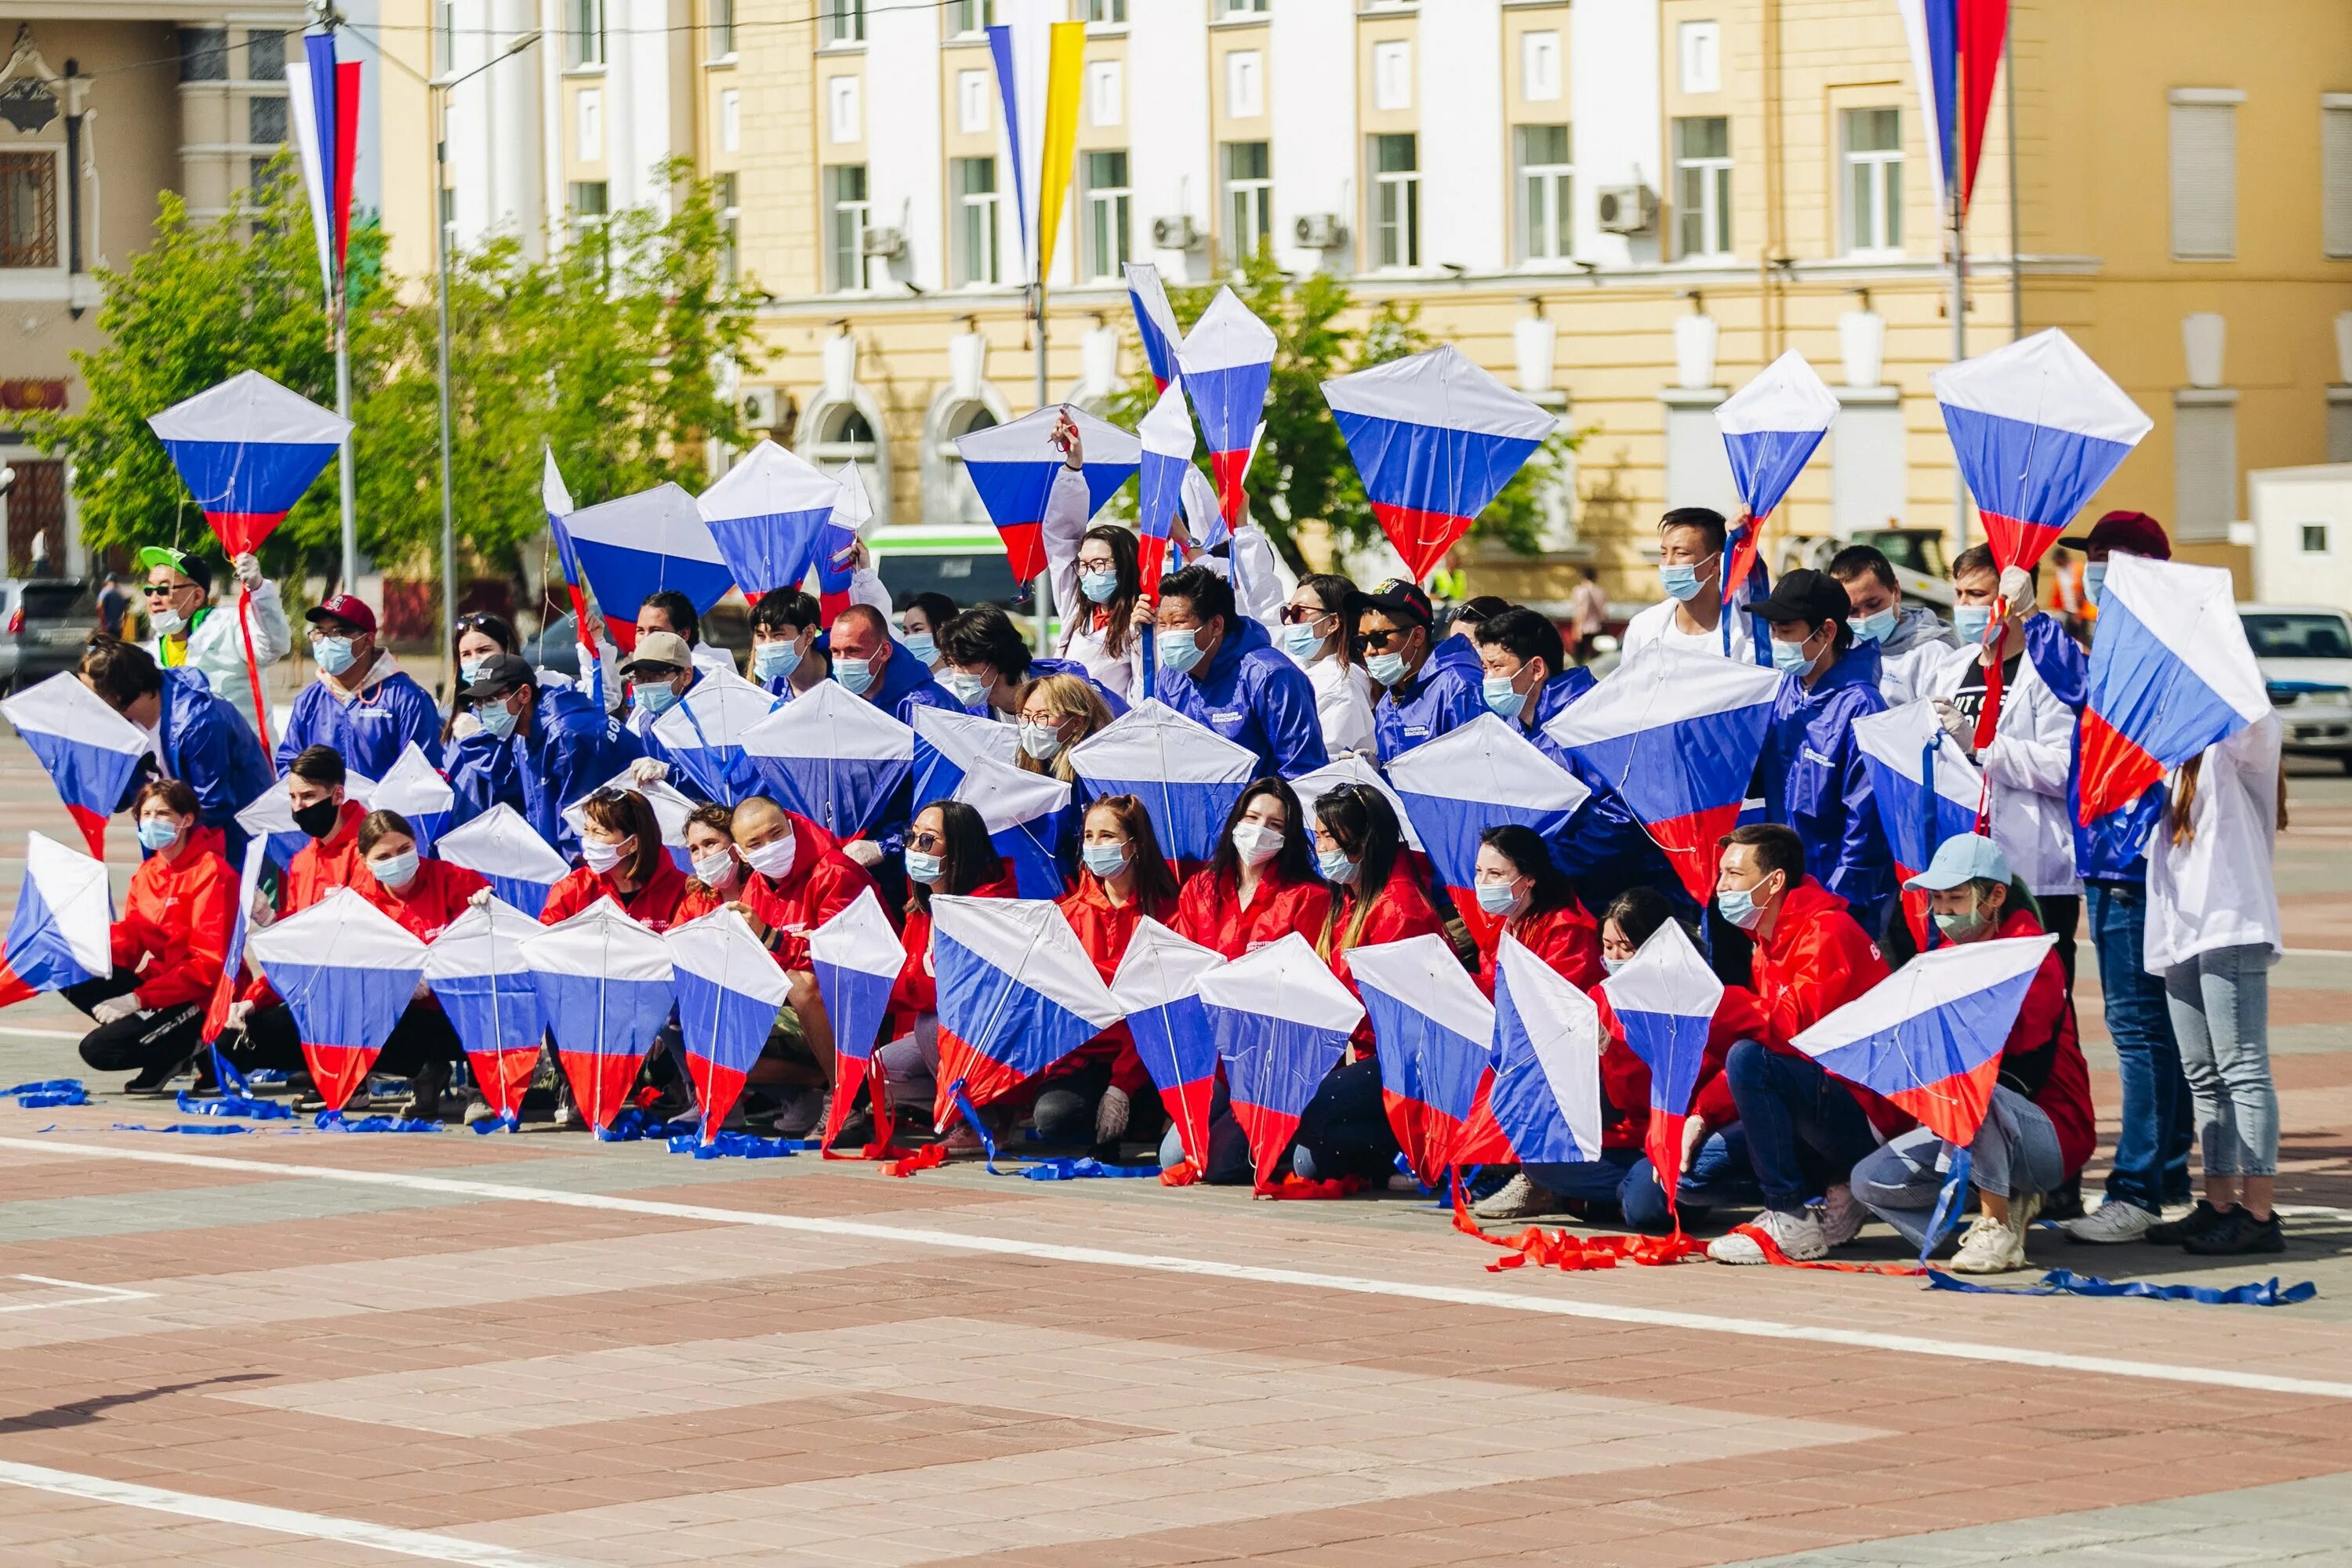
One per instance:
[(641, 544), (1012, 467), (1158, 986), (1481, 775), (605, 982), (1227, 361), (1280, 1019), (478, 973), (1665, 999), (1771, 428), (729, 989), (1924, 789), (856, 957), (346, 972), (1017, 993), (91, 752)]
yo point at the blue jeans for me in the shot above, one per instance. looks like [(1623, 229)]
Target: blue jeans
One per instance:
[(1229, 1154), (2221, 1017), (2149, 1061), (1805, 1132), (1719, 1177), (2016, 1153)]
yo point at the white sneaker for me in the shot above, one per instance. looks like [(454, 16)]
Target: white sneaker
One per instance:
[(1991, 1247), (1797, 1236), (2111, 1222), (1841, 1215), (1518, 1198)]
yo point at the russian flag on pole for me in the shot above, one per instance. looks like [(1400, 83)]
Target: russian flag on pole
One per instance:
[(2037, 428), (1895, 746), (1676, 734), (1479, 776), (2171, 675), (1544, 1105), (1155, 321), (270, 815), (640, 544), (730, 990), (346, 970), (834, 758), (477, 971), (1434, 1035), (1279, 1017), (414, 788), (764, 516), (249, 894), (857, 956), (1354, 768), (1158, 986), (324, 95), (1187, 775), (92, 752), (947, 743), (1434, 440), (606, 983), (1665, 999), (837, 541), (62, 931), (1928, 1037), (1956, 48), (1012, 467), (1167, 434), (1024, 812), (704, 731), (1228, 359), (246, 450), (501, 844), (1017, 993)]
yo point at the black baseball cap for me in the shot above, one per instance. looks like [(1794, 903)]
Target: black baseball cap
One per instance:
[(1805, 595), (500, 674), (1398, 598)]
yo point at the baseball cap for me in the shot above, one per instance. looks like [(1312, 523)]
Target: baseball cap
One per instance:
[(659, 649), (346, 607), (187, 564), (1804, 595), (2133, 532), (499, 674), (1963, 857), (1397, 598)]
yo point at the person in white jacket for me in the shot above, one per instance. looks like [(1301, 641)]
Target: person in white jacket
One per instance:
[(2026, 759), (191, 632), (2213, 934), (1315, 626)]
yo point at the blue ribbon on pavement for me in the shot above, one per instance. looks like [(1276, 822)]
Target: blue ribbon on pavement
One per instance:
[(733, 1146), (1068, 1170), (334, 1121), (202, 1131), (238, 1105), (47, 1092), (2065, 1282)]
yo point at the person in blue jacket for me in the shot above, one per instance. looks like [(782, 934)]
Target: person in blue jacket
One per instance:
[(537, 751), (1427, 690), (871, 663), (985, 663), (200, 738), (1223, 670), (788, 650), (362, 705), (1814, 777)]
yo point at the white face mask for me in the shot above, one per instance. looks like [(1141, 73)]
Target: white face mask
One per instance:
[(1257, 844), (773, 860), (167, 622), (715, 869), (602, 858)]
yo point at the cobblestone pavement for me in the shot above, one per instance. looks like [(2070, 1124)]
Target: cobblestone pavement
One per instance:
[(301, 1348)]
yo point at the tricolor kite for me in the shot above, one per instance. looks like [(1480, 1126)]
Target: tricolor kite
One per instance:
[(246, 450), (703, 732), (499, 844), (1665, 999), (62, 931), (414, 787), (347, 972), (1545, 1106), (948, 741), (484, 984), (1155, 321), (1017, 993), (1158, 986), (641, 544), (765, 515), (92, 753), (1187, 775), (1280, 1018), (833, 757), (555, 499), (1227, 360), (1354, 768), (856, 957), (1770, 427), (1167, 433), (1434, 1034), (1026, 815), (730, 990), (1478, 776), (1896, 747), (605, 983), (232, 977), (1012, 467)]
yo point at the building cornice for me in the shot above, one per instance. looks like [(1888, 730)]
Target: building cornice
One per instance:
[(165, 11)]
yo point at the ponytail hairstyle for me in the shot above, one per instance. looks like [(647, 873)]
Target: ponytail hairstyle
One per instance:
[(1364, 824)]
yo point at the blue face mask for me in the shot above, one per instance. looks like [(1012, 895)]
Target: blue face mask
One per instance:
[(1971, 621), (1501, 699), (396, 870), (924, 868), (654, 697), (771, 660), (1098, 587), (968, 689), (1611, 965), (1302, 642), (1680, 582), (855, 675), (496, 718), (1874, 629), (1335, 867), (1105, 860), (1790, 658), (333, 654), (1496, 898), (924, 647), (471, 670), (2095, 580), (1180, 649), (1738, 906), (156, 834), (1385, 668)]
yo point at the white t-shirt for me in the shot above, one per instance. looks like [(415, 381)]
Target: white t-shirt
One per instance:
[(1655, 628), (1343, 701), (2216, 891)]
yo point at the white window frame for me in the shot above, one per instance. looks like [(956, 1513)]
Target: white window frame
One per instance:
[(720, 32), (1111, 205), (972, 102), (1877, 233), (1106, 13), (727, 191), (967, 18), (844, 110), (1249, 202), (730, 120), (584, 24), (1244, 84), (1241, 8), (2203, 208), (588, 130), (1548, 187), (1394, 197), (979, 251), (1106, 94), (845, 229), (1539, 74), (2336, 175), (842, 23), (1698, 57), (1392, 75), (1710, 177)]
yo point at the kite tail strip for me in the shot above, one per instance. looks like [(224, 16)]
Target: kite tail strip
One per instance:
[(253, 673), (1297, 1186), (921, 1160), (1773, 1255), (232, 1104), (1574, 1254), (2065, 1282), (1183, 1174), (47, 1093)]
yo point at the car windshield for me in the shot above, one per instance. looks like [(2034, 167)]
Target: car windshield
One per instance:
[(59, 601), (2299, 636)]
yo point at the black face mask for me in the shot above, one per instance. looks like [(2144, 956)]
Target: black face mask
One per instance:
[(319, 820)]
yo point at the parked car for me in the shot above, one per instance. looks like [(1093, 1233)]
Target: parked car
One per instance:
[(967, 565), (44, 622), (557, 648), (2305, 654)]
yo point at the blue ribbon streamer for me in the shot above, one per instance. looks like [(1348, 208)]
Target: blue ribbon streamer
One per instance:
[(971, 1119), (2065, 1282), (1081, 1170), (634, 1124), (237, 1105), (499, 1124), (334, 1121), (221, 1132), (734, 1146), (47, 1092), (1947, 1212)]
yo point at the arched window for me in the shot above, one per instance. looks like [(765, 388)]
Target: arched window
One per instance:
[(948, 494), (848, 430)]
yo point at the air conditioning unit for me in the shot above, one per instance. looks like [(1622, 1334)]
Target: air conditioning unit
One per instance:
[(1320, 231), (758, 406), (886, 243), (1175, 234), (1628, 209)]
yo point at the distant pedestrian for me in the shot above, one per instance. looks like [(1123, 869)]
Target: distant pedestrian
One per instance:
[(113, 604), (1588, 611)]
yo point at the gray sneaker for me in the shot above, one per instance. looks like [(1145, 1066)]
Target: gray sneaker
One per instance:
[(803, 1113), (1519, 1198), (2112, 1221)]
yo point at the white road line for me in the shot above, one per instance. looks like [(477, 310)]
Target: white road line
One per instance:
[(42, 1033), (278, 1520), (92, 1295), (1162, 1263)]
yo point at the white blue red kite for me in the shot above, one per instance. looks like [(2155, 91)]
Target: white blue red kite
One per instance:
[(1481, 775), (412, 787), (1025, 814), (91, 752), (232, 978), (857, 956), (62, 931), (2172, 674), (837, 542), (833, 757), (1664, 999), (1228, 360), (1187, 775), (499, 844), (1956, 49), (765, 516), (1012, 467), (479, 974), (1353, 768), (1676, 734), (555, 499), (1280, 1018), (346, 972), (1167, 433), (947, 743), (2037, 428), (730, 990), (1545, 1106), (1155, 321), (641, 544), (246, 450), (1435, 439), (1158, 986), (604, 982), (1434, 1034), (1902, 747), (1770, 427), (703, 734), (1017, 993)]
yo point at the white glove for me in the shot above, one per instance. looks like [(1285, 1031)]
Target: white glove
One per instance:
[(1111, 1113), (248, 569), (478, 897), (238, 1012), (646, 771), (116, 1008), (865, 851), (1957, 724), (2017, 588)]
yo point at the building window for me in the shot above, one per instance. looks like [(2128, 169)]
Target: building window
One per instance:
[(1244, 84), (731, 120), (1547, 231), (1698, 51), (971, 103), (1869, 467), (2340, 424), (265, 56), (845, 191), (722, 29), (1874, 180), (445, 35), (1703, 185), (1392, 75), (264, 121), (2204, 174), (2204, 464), (845, 21), (591, 210), (966, 17), (28, 209), (204, 54), (1106, 13), (1105, 95), (1249, 197), (974, 186), (1109, 206), (590, 107), (727, 196), (1396, 201), (2336, 175), (1699, 468), (1241, 8), (584, 22), (1540, 67)]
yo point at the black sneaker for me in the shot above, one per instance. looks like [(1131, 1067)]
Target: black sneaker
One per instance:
[(152, 1081), (424, 1088), (2238, 1231), (2196, 1222)]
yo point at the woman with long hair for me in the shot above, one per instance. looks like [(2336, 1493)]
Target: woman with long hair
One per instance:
[(1055, 712), (1522, 890), (1260, 883), (948, 851), (1099, 633), (1315, 624), (719, 874), (622, 858), (480, 638)]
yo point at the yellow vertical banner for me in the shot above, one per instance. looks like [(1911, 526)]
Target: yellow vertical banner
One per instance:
[(1065, 70)]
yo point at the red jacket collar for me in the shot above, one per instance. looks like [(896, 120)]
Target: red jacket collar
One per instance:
[(1806, 904)]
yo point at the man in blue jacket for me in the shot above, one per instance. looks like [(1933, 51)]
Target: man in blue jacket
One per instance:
[(537, 751), (1221, 670), (362, 705), (1424, 694), (1814, 777), (985, 662), (871, 663), (199, 737)]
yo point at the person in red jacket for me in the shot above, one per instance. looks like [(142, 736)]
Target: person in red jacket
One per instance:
[(623, 860), (1805, 1129), (170, 945), (720, 874), (314, 783), (2039, 1130), (1260, 884), (1088, 1097), (1515, 878), (948, 851)]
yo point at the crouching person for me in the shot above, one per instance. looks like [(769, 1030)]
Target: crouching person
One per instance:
[(2038, 1131)]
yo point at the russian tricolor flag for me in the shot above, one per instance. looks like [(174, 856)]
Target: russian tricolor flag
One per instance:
[(411, 786), (1928, 1037), (246, 450), (765, 515), (1435, 439), (1280, 1018), (499, 844), (1665, 999), (1158, 986), (948, 740), (730, 990), (2037, 428), (1956, 49), (1227, 360), (640, 544), (1545, 1106), (1167, 434), (833, 757), (1155, 321), (605, 983), (477, 971), (1187, 775), (1676, 734), (1024, 812), (1012, 467), (2171, 675), (1479, 776), (62, 931), (1017, 993), (92, 752), (857, 956), (1896, 745), (324, 95), (1434, 1033), (703, 732), (346, 972)]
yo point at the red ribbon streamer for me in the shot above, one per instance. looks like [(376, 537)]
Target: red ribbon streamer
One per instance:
[(1574, 1254)]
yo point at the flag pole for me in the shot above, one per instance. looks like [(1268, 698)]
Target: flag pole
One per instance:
[(1045, 577)]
